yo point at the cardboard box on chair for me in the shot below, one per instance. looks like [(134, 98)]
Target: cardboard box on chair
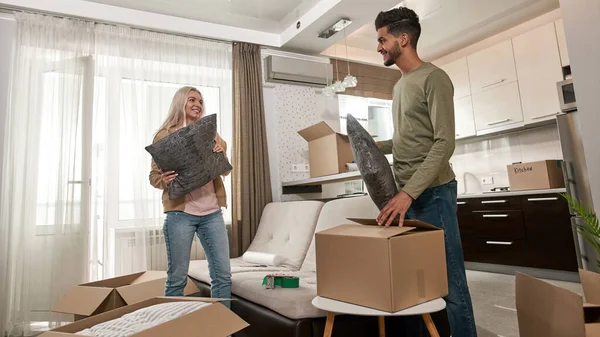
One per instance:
[(213, 320), (546, 310), (328, 150), (93, 298), (388, 269)]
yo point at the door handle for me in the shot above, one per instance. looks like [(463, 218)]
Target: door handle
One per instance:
[(461, 202), (499, 122), (495, 215), (542, 116), (543, 199), (502, 243), (493, 202), (493, 83)]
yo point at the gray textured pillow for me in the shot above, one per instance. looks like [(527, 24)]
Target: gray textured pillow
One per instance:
[(189, 153), (372, 164)]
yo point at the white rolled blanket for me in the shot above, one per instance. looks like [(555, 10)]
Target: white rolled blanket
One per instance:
[(262, 258)]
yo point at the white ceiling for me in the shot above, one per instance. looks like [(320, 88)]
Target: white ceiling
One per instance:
[(449, 25), (263, 15)]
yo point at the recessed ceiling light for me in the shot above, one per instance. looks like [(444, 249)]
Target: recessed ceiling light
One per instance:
[(336, 27)]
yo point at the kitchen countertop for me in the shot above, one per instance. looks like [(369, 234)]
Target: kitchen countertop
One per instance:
[(510, 193)]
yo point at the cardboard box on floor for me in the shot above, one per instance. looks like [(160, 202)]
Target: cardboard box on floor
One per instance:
[(93, 298), (388, 269), (214, 320), (328, 151), (535, 175), (546, 310)]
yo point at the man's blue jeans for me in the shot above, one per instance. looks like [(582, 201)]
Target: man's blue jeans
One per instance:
[(437, 206), (179, 230)]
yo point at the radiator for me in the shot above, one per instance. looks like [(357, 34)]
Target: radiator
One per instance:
[(129, 250)]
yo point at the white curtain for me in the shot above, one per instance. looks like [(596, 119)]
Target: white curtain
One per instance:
[(136, 75), (77, 205)]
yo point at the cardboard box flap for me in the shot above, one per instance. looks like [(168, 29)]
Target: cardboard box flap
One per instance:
[(55, 334), (592, 330), (590, 282), (407, 223), (544, 309), (116, 281), (142, 291), (367, 231), (214, 320), (150, 275), (82, 300), (316, 131)]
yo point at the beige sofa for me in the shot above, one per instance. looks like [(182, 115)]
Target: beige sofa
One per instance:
[(287, 229)]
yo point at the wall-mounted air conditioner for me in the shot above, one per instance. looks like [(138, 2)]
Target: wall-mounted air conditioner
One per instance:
[(280, 69)]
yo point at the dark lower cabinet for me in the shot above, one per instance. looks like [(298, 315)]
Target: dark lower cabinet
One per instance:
[(529, 231)]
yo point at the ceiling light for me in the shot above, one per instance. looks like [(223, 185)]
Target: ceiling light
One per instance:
[(338, 86), (350, 81), (336, 27)]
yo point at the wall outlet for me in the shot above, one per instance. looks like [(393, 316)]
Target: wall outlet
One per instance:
[(300, 168), (488, 180)]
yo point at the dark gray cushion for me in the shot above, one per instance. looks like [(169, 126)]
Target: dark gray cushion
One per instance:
[(372, 164), (189, 153)]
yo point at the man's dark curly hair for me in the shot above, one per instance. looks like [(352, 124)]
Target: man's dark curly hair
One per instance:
[(400, 20)]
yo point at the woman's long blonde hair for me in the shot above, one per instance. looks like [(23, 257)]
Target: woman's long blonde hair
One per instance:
[(177, 109)]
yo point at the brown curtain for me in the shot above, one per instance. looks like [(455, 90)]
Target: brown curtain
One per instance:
[(251, 176)]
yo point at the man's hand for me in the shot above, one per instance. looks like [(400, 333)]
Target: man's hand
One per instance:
[(397, 206)]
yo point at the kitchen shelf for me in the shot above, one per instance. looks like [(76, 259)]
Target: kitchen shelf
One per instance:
[(313, 185), (333, 178)]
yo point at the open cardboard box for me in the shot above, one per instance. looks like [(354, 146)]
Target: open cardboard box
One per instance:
[(214, 320), (328, 151), (94, 298), (546, 310), (388, 269)]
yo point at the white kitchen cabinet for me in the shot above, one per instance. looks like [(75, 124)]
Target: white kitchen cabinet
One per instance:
[(562, 42), (537, 60), (459, 74), (497, 107), (464, 120), (492, 67)]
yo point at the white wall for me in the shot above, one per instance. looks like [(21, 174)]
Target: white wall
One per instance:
[(582, 28), (8, 27), (484, 157), (288, 109)]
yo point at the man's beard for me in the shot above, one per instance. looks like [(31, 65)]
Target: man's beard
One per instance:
[(393, 55)]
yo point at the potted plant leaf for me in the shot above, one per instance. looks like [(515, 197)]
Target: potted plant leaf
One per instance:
[(590, 230)]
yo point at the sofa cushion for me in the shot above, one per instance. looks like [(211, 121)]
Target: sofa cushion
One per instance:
[(294, 303), (199, 268), (286, 229), (335, 213)]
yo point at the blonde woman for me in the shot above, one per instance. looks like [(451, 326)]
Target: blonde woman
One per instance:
[(198, 212)]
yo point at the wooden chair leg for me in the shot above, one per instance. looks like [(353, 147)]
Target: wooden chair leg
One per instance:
[(381, 320), (329, 324), (430, 326)]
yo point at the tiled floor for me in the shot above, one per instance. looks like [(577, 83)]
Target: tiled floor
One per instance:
[(493, 297)]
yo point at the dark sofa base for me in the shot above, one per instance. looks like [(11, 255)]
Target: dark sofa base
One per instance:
[(265, 322)]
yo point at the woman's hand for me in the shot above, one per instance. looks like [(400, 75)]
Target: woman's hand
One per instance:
[(167, 177), (218, 148)]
